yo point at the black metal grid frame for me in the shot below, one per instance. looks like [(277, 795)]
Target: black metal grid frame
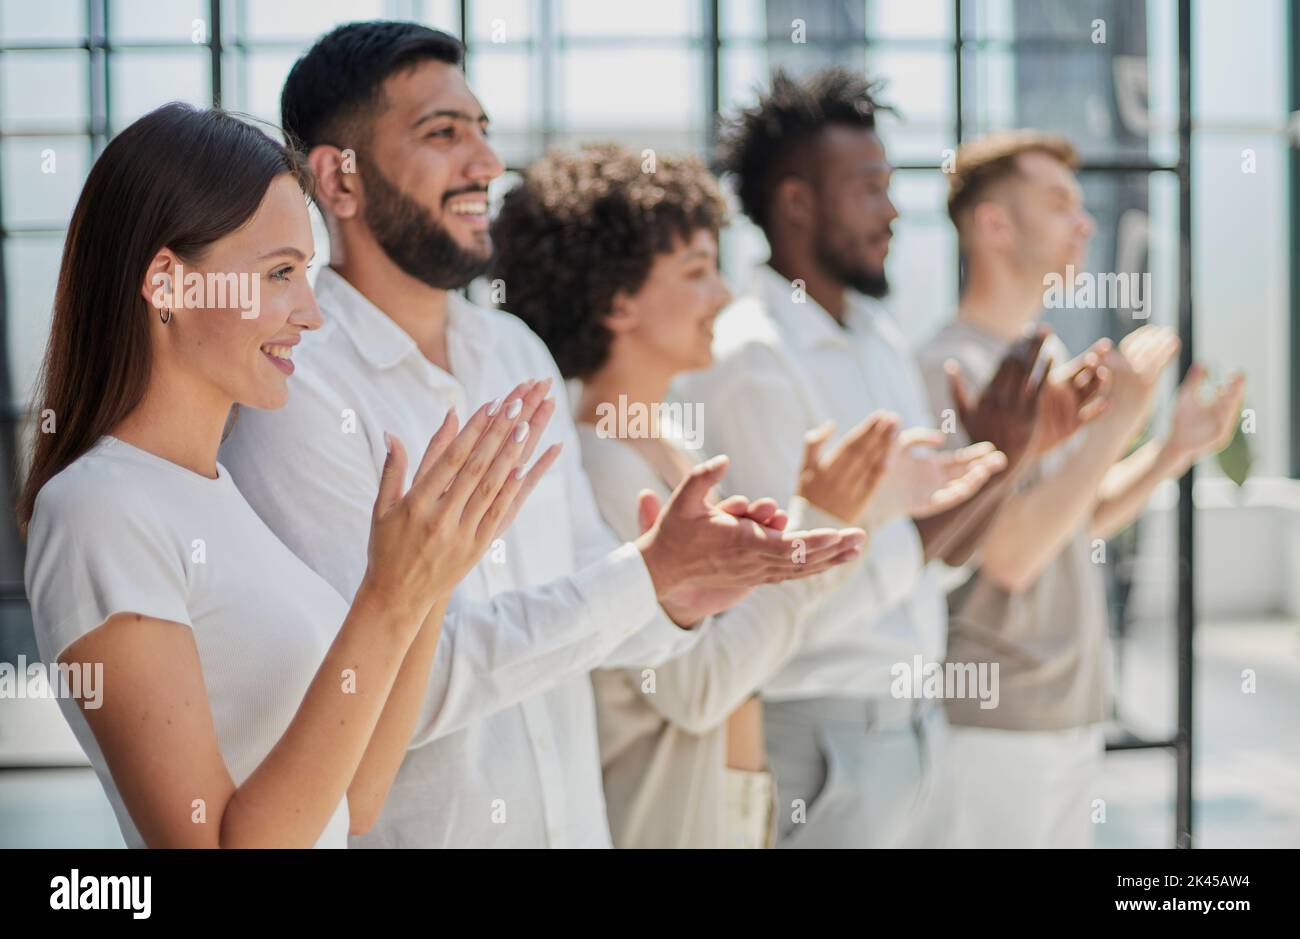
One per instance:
[(97, 129)]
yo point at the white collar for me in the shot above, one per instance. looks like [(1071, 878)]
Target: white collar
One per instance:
[(806, 323), (384, 344)]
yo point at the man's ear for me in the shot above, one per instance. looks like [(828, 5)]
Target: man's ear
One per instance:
[(159, 287), (794, 203), (338, 180), (990, 223)]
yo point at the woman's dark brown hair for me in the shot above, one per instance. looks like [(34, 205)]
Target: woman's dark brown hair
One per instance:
[(180, 177)]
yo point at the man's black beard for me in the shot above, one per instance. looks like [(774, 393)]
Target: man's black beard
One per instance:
[(872, 284), (414, 240), (850, 273)]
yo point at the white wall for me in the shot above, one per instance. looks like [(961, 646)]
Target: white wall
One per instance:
[(1247, 550)]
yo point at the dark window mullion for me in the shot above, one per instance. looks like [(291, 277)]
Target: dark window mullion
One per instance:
[(98, 73), (1293, 162), (714, 85), (1183, 808), (542, 45), (215, 51)]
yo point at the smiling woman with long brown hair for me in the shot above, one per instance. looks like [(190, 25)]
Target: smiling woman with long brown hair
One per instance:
[(242, 702)]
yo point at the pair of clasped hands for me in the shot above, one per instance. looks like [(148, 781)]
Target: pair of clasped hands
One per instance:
[(704, 555)]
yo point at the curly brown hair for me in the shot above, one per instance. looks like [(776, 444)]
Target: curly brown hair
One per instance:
[(584, 225)]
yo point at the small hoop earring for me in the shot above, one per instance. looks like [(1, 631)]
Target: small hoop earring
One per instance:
[(165, 317)]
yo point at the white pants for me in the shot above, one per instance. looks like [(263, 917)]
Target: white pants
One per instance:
[(857, 773), (1023, 789), (751, 809)]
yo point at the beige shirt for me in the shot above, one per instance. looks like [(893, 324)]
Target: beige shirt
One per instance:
[(1050, 641), (663, 730)]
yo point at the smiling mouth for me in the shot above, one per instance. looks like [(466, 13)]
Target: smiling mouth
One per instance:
[(281, 356), (472, 209), (468, 207)]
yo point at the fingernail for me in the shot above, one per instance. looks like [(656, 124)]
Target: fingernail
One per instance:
[(521, 432), (516, 406), (519, 472), (388, 442), (496, 403)]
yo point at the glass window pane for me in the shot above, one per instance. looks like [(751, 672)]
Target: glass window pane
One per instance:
[(922, 271), (1110, 116), (44, 91), (62, 21), (988, 91), (742, 19), (918, 84), (500, 21), (920, 195), (799, 22), (601, 18), (1241, 267), (990, 19), (742, 248), (647, 88), (922, 263), (507, 80), (143, 80), (1162, 80), (252, 82), (837, 20), (32, 269), (1114, 61), (443, 15), (742, 73), (911, 19), (741, 62), (42, 178), (178, 21), (1238, 79), (912, 143), (305, 19), (1062, 20), (507, 83)]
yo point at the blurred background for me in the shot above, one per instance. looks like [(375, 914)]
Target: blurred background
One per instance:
[(1105, 73)]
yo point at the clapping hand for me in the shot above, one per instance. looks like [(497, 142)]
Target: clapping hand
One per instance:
[(1203, 426), (1006, 413), (843, 481)]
